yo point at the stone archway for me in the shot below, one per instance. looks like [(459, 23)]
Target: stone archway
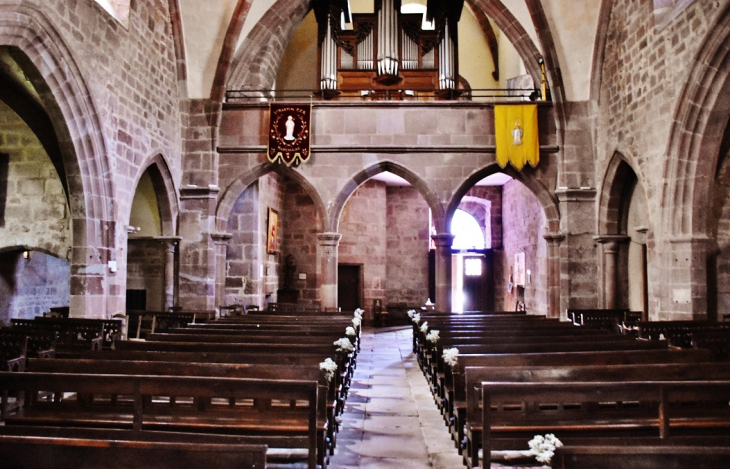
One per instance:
[(52, 70), (241, 243), (694, 150), (550, 291)]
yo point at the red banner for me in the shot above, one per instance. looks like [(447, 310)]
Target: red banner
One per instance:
[(289, 133)]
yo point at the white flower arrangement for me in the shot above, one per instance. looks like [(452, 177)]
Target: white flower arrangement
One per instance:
[(416, 318), (358, 313), (344, 345), (450, 356), (433, 336), (424, 327), (411, 312), (328, 368), (356, 322), (350, 332), (543, 447)]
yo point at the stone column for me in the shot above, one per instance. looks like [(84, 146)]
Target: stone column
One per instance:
[(170, 245), (221, 244), (578, 250), (553, 273), (443, 270), (197, 248), (327, 257), (610, 245)]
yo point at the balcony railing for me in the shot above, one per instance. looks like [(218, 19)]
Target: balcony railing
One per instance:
[(474, 95)]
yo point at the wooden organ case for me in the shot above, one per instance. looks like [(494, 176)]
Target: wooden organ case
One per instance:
[(388, 54)]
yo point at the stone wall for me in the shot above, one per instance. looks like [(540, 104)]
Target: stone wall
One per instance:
[(363, 227), (407, 246), (243, 253), (524, 225), (300, 221), (29, 287), (36, 213), (644, 71), (146, 263)]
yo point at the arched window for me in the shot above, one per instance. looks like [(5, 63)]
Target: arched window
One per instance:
[(468, 234)]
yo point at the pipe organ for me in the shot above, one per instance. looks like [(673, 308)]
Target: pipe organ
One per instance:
[(388, 50)]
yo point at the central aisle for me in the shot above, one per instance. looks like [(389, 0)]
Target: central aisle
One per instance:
[(390, 419)]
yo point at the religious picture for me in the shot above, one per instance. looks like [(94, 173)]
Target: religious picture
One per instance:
[(272, 235), (520, 269), (289, 133)]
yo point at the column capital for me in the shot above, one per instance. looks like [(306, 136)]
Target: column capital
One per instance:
[(554, 238), (221, 238), (443, 240), (329, 238)]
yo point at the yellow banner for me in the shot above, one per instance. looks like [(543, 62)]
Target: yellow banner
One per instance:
[(516, 135)]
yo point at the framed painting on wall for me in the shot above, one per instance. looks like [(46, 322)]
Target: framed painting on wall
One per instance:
[(272, 237), (520, 269)]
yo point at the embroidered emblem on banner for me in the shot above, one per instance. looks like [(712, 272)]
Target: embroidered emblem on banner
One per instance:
[(289, 131)]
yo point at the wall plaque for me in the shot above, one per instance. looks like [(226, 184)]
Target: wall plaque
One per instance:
[(289, 132)]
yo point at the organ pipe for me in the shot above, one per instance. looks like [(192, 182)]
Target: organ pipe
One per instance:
[(447, 60), (388, 39), (328, 79)]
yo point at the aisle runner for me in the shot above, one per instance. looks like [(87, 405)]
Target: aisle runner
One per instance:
[(390, 419)]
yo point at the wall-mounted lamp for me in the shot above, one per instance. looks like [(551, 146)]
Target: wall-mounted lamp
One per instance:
[(26, 255), (132, 229)]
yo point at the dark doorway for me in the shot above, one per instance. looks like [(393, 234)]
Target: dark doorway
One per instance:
[(348, 287), (478, 281)]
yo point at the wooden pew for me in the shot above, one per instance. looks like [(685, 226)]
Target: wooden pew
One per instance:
[(678, 333), (134, 409), (77, 332), (671, 454), (456, 389), (607, 319), (41, 343), (13, 352), (308, 372), (63, 452), (717, 342), (560, 408)]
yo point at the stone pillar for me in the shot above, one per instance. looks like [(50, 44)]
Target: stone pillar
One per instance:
[(327, 256), (197, 248), (170, 246), (553, 273), (578, 258), (443, 270), (610, 245), (221, 244), (685, 280)]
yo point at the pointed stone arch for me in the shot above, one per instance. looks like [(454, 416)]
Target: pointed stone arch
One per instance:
[(548, 202), (619, 173), (700, 121), (335, 211), (236, 188), (62, 88), (165, 190)]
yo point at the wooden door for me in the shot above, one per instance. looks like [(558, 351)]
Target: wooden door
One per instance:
[(478, 282), (349, 291)]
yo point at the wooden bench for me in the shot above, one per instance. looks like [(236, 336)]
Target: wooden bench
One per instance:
[(646, 456), (474, 376), (456, 389), (308, 372), (66, 451), (717, 342), (163, 403), (77, 332), (13, 352), (678, 333), (608, 319), (592, 409), (41, 343)]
